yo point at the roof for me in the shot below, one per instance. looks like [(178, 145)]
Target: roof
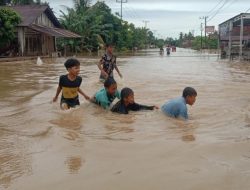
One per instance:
[(57, 32), (236, 18), (29, 13)]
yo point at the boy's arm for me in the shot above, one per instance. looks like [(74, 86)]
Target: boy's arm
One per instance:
[(118, 71), (183, 113), (83, 94), (59, 89), (101, 69), (137, 107)]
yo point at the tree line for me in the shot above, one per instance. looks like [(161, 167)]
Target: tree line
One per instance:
[(188, 40), (98, 26)]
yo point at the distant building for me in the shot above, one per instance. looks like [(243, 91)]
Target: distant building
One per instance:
[(38, 30), (234, 36)]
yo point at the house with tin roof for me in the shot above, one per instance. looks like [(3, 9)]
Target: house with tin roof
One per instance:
[(234, 36), (38, 30)]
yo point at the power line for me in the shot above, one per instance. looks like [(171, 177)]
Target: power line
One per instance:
[(133, 12), (209, 12), (218, 10), (121, 1), (229, 5), (130, 12), (247, 10)]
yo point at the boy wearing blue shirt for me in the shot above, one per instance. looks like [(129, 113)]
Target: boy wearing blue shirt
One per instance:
[(177, 107)]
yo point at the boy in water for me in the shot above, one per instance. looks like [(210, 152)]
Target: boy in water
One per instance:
[(177, 107), (107, 64), (70, 86), (107, 95), (127, 103)]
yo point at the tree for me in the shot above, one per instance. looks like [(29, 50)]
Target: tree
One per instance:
[(98, 26), (9, 19), (81, 5)]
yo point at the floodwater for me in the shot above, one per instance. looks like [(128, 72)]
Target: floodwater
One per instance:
[(42, 147)]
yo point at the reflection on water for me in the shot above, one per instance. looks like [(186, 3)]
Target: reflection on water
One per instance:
[(85, 148)]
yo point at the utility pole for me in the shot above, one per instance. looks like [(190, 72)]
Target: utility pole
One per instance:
[(205, 19), (121, 1), (146, 23), (201, 35), (206, 31)]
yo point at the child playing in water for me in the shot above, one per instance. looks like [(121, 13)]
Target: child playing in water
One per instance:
[(177, 107), (127, 103), (107, 95), (107, 64), (70, 86)]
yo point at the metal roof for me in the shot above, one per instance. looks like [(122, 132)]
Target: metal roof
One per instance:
[(56, 32), (237, 18), (29, 13)]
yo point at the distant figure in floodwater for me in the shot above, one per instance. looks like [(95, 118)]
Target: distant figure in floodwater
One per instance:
[(161, 51), (173, 49), (107, 64), (168, 49), (177, 107), (127, 103), (39, 61), (107, 95), (70, 86)]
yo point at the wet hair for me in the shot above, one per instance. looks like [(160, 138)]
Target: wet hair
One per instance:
[(110, 81), (71, 63), (125, 93), (189, 91)]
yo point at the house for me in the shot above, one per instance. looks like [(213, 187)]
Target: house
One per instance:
[(234, 36), (38, 30)]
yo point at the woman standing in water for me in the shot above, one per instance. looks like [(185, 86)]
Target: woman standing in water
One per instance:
[(107, 64)]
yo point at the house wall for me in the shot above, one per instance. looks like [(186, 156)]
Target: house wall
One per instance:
[(21, 40), (48, 45), (234, 40), (33, 43), (43, 20)]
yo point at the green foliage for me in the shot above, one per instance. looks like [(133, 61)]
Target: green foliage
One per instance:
[(98, 26), (8, 22), (211, 43)]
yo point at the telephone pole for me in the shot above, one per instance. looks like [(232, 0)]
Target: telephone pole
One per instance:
[(121, 1), (201, 35), (146, 23), (205, 19)]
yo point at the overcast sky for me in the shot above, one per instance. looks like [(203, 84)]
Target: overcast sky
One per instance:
[(167, 18)]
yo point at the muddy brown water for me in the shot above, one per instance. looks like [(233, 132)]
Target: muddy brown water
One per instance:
[(88, 148)]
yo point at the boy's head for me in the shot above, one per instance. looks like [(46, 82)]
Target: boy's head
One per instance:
[(110, 86), (109, 48), (127, 96), (189, 94), (72, 66)]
